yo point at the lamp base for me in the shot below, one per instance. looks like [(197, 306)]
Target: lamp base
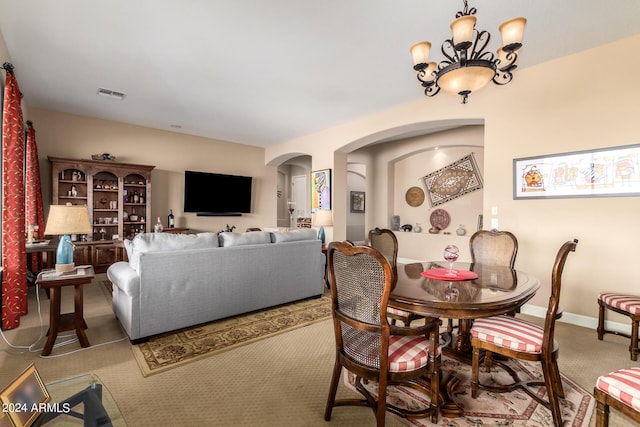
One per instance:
[(65, 268)]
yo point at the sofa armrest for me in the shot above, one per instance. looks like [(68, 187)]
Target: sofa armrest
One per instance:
[(124, 277)]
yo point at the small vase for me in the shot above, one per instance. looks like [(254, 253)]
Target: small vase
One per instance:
[(417, 228), (461, 231)]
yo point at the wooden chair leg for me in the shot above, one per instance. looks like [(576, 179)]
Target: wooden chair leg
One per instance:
[(602, 410), (557, 379), (475, 368), (552, 394), (600, 320), (333, 388), (633, 349), (381, 410)]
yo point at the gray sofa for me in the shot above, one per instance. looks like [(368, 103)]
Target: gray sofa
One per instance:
[(172, 281)]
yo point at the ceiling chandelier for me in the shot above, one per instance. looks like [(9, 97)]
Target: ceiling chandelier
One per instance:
[(468, 65)]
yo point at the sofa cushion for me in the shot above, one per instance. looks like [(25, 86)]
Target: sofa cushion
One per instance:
[(241, 239), (154, 242), (294, 235)]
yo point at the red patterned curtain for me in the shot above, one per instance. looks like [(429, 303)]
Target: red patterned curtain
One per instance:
[(14, 256), (34, 213)]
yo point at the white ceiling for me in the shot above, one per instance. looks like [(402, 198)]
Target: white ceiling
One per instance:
[(261, 72)]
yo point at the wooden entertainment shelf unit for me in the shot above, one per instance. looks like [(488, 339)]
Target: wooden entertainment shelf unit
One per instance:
[(118, 196)]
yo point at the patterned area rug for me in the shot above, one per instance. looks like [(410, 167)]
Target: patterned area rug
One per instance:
[(514, 409), (173, 349), (452, 181)]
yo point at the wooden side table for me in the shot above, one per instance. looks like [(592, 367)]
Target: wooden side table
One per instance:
[(69, 321)]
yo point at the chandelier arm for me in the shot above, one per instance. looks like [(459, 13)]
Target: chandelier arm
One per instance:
[(503, 77), (449, 52), (480, 45), (432, 90), (510, 64), (424, 79)]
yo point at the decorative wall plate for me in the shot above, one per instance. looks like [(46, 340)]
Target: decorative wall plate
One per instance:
[(440, 219), (414, 196)]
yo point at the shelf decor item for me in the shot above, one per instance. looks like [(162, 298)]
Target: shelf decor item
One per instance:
[(66, 220)]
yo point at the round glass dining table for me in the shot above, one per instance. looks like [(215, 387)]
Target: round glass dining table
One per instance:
[(496, 290)]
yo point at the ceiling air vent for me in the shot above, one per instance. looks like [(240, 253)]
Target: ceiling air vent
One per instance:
[(111, 93)]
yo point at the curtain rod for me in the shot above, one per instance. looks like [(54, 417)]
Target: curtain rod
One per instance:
[(8, 67)]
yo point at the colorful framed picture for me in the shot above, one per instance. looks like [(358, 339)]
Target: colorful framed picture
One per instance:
[(357, 201), (321, 190), (22, 399), (604, 172)]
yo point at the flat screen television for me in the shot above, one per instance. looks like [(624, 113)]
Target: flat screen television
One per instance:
[(210, 194)]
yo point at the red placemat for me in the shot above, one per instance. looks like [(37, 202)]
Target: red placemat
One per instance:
[(441, 274)]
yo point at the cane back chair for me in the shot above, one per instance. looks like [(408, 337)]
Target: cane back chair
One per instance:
[(367, 345), (516, 338), (386, 242)]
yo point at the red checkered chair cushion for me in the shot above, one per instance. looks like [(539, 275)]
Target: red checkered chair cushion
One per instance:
[(628, 303), (624, 385), (509, 332), (398, 312), (406, 353)]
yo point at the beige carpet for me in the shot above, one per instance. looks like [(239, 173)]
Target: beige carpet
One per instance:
[(175, 349), (492, 409), (246, 386)]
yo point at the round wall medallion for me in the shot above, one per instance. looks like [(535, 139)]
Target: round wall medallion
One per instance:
[(440, 219), (414, 196)]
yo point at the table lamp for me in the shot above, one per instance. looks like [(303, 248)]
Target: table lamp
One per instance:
[(65, 220), (322, 217)]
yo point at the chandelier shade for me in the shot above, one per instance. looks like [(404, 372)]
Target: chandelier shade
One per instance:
[(468, 65)]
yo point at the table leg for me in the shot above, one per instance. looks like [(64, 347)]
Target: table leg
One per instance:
[(79, 323), (54, 320)]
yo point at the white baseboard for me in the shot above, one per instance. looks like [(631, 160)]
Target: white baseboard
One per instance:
[(577, 319)]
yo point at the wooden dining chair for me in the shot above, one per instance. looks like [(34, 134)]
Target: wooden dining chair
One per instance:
[(621, 390), (367, 345), (516, 338), (386, 242), (625, 304), (492, 248)]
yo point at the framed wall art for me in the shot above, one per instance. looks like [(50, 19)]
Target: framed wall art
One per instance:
[(452, 181), (321, 190), (604, 172), (22, 398), (357, 201)]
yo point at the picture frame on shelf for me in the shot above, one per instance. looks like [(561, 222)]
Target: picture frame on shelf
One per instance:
[(357, 201), (320, 190), (24, 397)]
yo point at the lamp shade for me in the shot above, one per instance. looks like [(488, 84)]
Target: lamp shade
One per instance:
[(512, 31), (463, 79), (68, 219), (420, 53), (462, 29), (322, 217)]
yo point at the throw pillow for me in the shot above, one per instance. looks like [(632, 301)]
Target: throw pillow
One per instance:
[(154, 242), (241, 239), (294, 235)]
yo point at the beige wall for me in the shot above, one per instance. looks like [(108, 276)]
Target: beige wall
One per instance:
[(66, 135), (559, 106)]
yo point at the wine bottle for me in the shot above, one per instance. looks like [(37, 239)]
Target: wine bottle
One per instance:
[(171, 219)]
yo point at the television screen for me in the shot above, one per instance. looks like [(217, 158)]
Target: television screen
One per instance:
[(216, 194)]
